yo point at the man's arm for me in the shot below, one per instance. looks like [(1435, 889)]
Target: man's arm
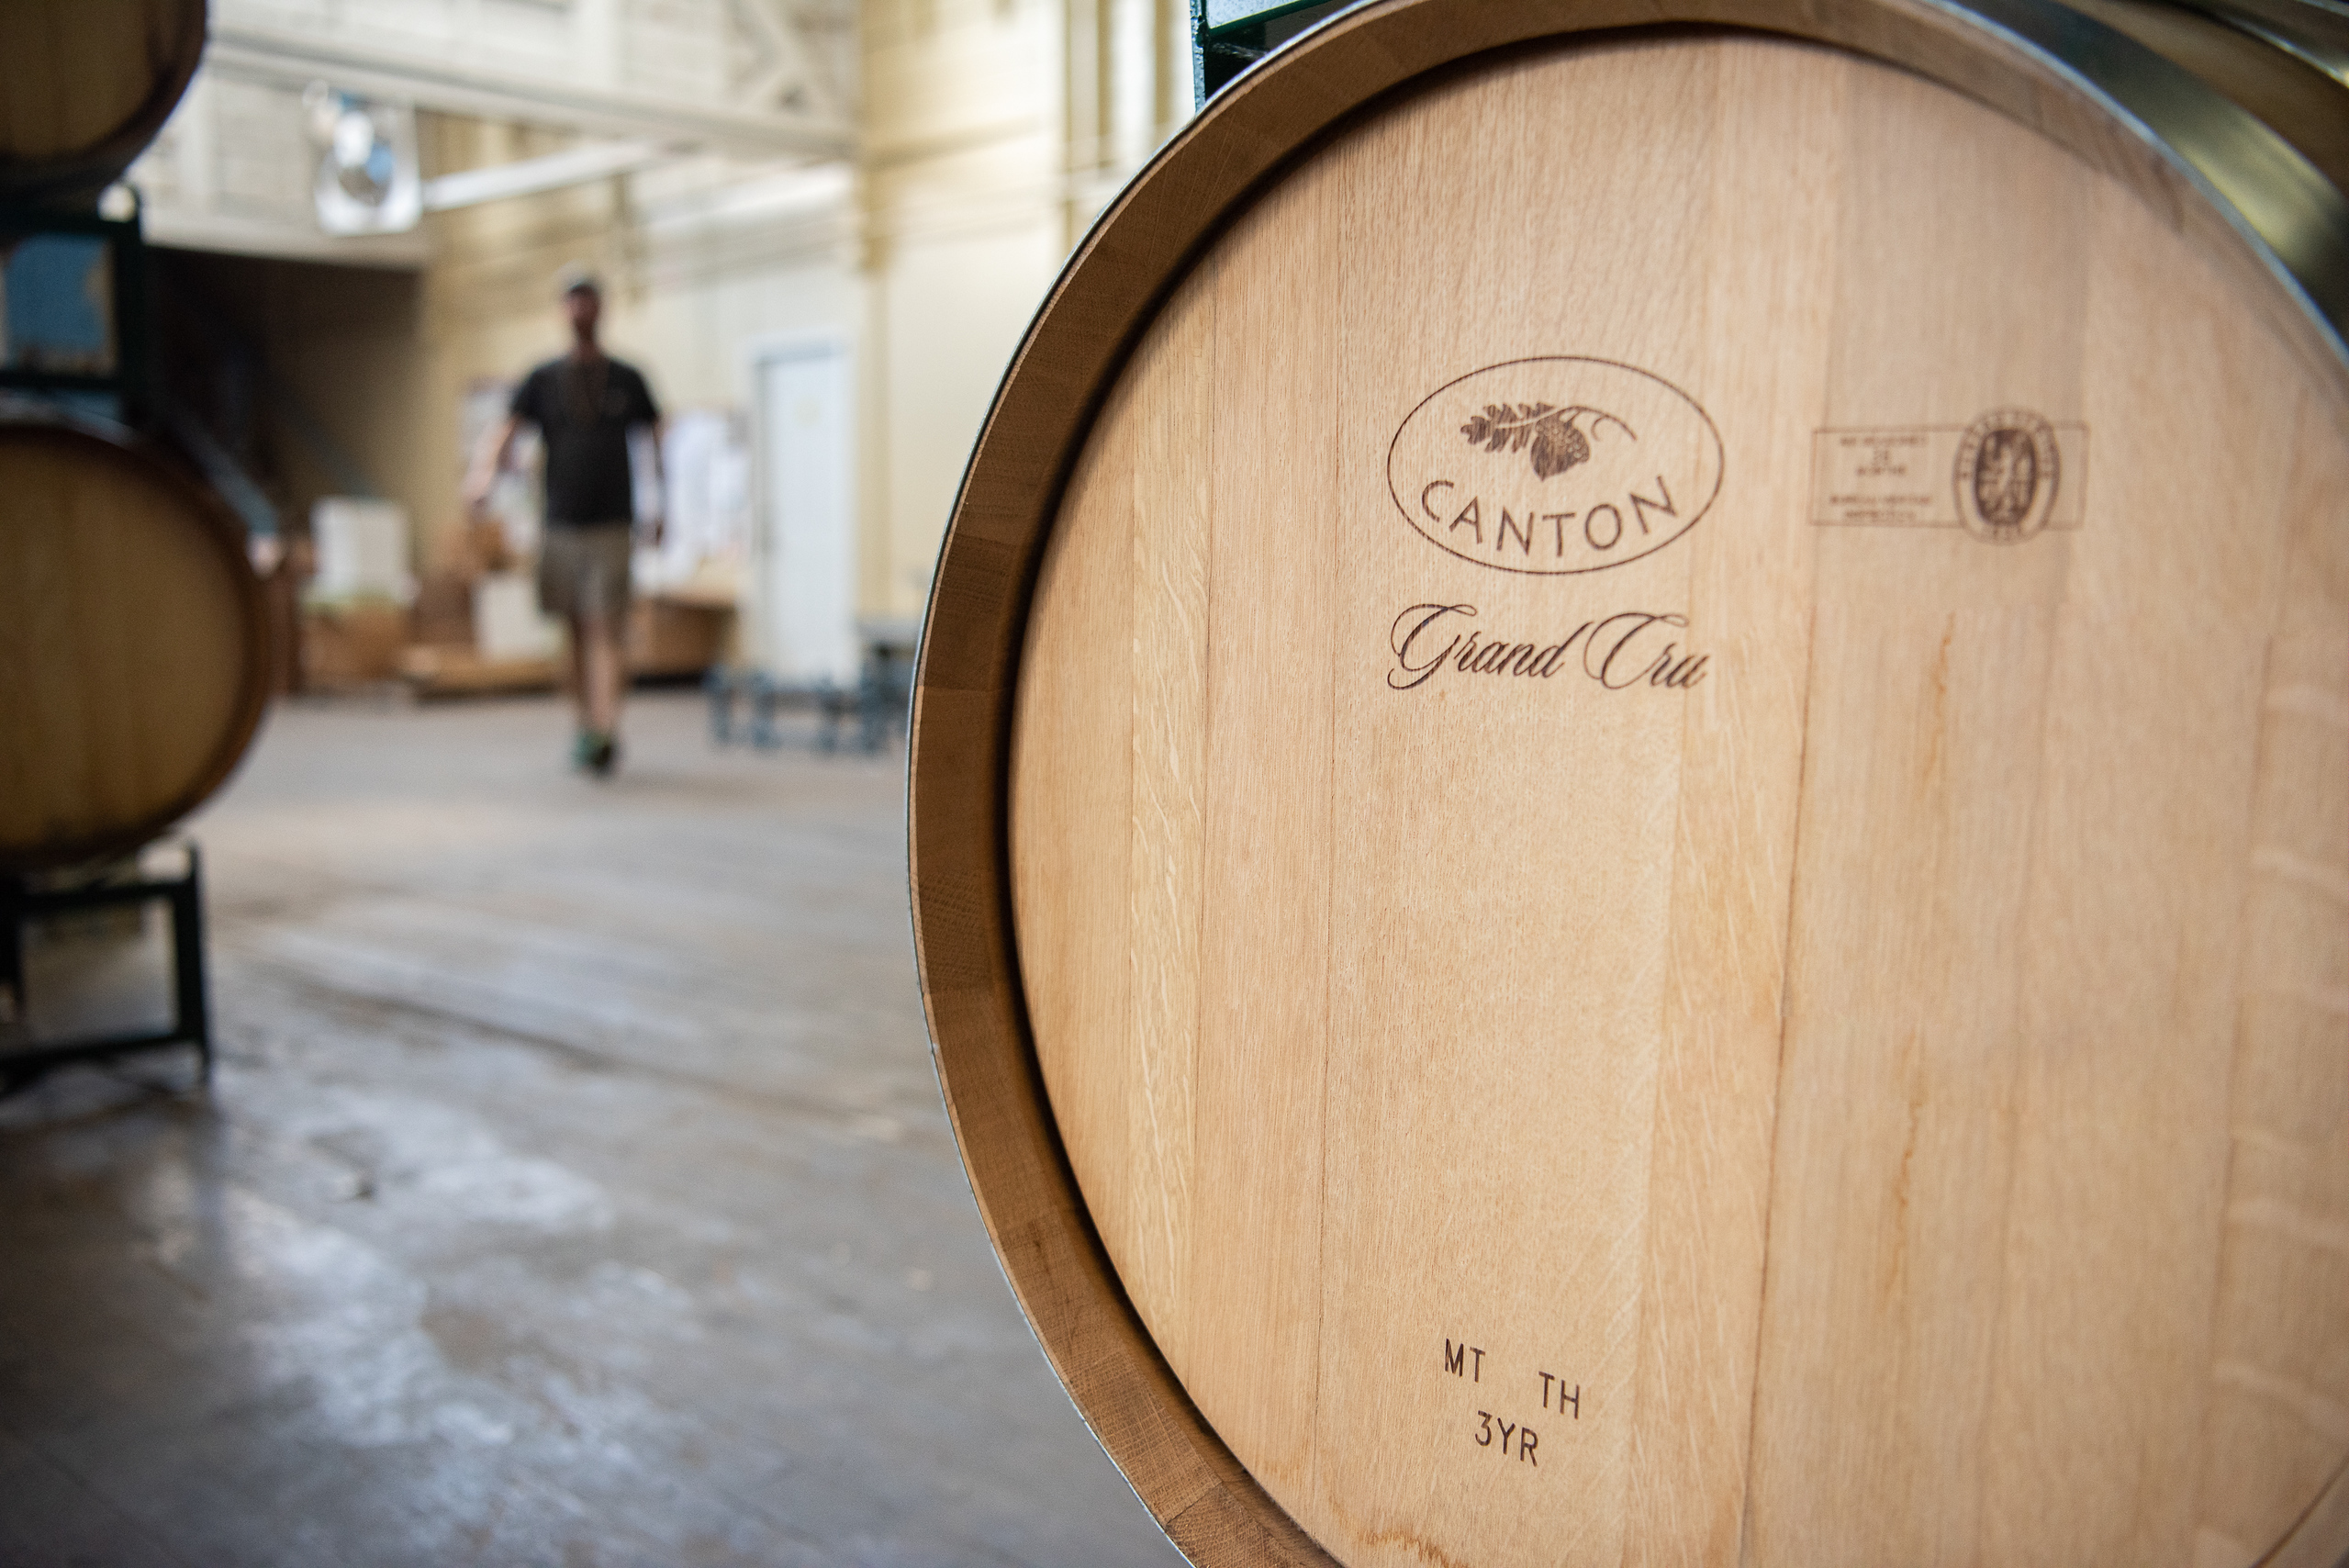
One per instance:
[(489, 460), (660, 529)]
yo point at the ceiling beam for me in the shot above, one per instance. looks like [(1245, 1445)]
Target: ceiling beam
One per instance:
[(528, 176), (270, 55)]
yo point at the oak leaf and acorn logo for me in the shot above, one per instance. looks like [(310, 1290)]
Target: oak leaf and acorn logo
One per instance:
[(1556, 440)]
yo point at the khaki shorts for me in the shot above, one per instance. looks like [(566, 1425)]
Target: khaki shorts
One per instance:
[(583, 571)]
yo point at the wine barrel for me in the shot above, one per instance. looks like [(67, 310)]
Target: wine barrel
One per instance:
[(133, 643), (1631, 801), (85, 85)]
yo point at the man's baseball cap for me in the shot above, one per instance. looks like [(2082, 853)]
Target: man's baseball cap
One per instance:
[(575, 277)]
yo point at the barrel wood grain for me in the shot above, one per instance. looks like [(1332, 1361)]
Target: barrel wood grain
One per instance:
[(1928, 663), (85, 85), (1970, 1146), (133, 645), (1725, 997), (1842, 1064), (2277, 1415)]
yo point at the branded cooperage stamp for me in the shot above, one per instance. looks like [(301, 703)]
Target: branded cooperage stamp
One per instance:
[(1555, 465), (2005, 477)]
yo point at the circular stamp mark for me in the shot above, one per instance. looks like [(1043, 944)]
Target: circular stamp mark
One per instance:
[(2006, 476)]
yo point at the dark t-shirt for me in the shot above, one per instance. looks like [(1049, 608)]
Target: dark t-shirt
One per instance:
[(583, 408)]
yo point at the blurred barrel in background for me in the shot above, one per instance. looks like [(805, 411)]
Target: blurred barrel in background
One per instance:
[(2286, 61), (133, 648), (1630, 798), (133, 643), (85, 85)]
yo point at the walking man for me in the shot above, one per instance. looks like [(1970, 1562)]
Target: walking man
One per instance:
[(584, 405)]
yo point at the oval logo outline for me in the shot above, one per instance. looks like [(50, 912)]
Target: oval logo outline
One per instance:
[(1550, 440), (2003, 451)]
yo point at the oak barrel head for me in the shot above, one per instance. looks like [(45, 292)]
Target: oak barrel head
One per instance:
[(85, 85), (133, 645), (1631, 814)]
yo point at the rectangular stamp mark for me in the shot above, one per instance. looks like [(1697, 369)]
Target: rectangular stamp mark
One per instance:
[(1920, 476)]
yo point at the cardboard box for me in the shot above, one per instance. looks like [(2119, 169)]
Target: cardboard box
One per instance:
[(669, 636), (507, 623), (463, 672), (443, 614), (351, 644), (361, 551)]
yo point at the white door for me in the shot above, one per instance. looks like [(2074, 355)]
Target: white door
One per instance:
[(807, 570)]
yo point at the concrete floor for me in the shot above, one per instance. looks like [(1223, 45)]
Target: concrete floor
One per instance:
[(574, 1191)]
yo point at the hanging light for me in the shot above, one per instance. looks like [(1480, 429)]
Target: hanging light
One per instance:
[(368, 180)]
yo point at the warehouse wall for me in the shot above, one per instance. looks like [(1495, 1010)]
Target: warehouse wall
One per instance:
[(304, 370), (994, 131), (990, 133)]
